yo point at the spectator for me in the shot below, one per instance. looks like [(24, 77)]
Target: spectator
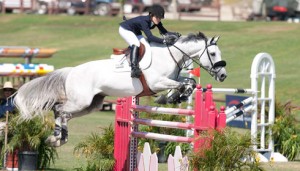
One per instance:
[(6, 102)]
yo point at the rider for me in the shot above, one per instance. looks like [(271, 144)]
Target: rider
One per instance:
[(130, 29)]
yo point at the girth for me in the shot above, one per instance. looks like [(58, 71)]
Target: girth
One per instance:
[(146, 90)]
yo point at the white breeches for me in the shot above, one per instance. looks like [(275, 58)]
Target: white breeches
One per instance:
[(130, 37)]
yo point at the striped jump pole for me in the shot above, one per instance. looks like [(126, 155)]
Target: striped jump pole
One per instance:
[(238, 113), (231, 111), (231, 90), (127, 120), (162, 110)]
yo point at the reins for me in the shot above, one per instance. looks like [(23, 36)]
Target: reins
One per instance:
[(189, 57)]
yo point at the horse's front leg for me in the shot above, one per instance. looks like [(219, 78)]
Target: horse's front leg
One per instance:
[(179, 93), (189, 86), (166, 83)]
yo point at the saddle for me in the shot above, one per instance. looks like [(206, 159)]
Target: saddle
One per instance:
[(126, 51), (146, 90)]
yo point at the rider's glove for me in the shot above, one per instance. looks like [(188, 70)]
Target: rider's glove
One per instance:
[(174, 33), (170, 39)]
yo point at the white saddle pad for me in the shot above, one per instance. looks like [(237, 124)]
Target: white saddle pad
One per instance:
[(122, 65)]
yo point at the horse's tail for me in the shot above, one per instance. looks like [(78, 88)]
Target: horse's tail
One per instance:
[(40, 94)]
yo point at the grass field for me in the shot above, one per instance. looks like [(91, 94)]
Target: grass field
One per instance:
[(84, 38)]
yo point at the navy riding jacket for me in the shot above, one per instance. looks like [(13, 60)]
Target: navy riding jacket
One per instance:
[(143, 23)]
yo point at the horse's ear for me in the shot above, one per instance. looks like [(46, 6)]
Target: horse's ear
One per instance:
[(214, 40)]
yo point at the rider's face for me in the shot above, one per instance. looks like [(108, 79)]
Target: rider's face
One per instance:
[(156, 20)]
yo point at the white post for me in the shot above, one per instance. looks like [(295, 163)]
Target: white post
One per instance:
[(263, 66)]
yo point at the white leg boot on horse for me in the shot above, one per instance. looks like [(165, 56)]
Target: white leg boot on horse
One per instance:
[(60, 135), (64, 127), (134, 58)]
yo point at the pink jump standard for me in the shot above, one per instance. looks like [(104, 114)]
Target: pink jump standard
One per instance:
[(127, 120)]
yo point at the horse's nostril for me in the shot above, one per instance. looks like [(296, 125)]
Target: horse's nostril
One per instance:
[(223, 76)]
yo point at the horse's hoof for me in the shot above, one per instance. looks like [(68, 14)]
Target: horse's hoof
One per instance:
[(184, 98), (56, 144), (162, 99), (51, 139), (59, 143), (52, 142), (62, 142), (174, 98)]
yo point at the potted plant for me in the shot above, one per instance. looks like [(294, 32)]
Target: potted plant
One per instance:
[(28, 137)]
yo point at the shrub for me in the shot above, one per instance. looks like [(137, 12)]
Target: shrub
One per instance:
[(228, 151), (286, 134), (98, 150)]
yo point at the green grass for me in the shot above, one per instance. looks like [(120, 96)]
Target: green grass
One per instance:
[(84, 38)]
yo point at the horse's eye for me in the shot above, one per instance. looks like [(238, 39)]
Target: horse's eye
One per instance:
[(213, 54)]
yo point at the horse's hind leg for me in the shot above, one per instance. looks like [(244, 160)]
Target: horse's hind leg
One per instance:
[(65, 111), (96, 103), (60, 135)]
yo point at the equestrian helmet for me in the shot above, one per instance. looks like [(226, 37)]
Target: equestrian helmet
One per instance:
[(157, 10)]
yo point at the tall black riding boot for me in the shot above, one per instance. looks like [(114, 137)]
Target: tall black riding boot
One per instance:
[(135, 70)]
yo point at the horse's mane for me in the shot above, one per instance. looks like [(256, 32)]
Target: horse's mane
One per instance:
[(194, 37)]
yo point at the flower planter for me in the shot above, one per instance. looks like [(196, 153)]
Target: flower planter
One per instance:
[(12, 161), (28, 160)]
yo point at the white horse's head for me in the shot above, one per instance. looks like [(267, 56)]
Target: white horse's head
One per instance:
[(211, 60), (199, 47)]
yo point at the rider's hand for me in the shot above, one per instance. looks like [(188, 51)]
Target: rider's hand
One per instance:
[(174, 33), (177, 34), (170, 39)]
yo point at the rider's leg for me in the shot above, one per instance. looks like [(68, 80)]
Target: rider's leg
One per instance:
[(134, 43), (135, 70)]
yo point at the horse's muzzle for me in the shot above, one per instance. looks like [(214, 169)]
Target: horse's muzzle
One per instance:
[(222, 77)]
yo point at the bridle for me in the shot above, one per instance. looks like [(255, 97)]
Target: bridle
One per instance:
[(212, 71)]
